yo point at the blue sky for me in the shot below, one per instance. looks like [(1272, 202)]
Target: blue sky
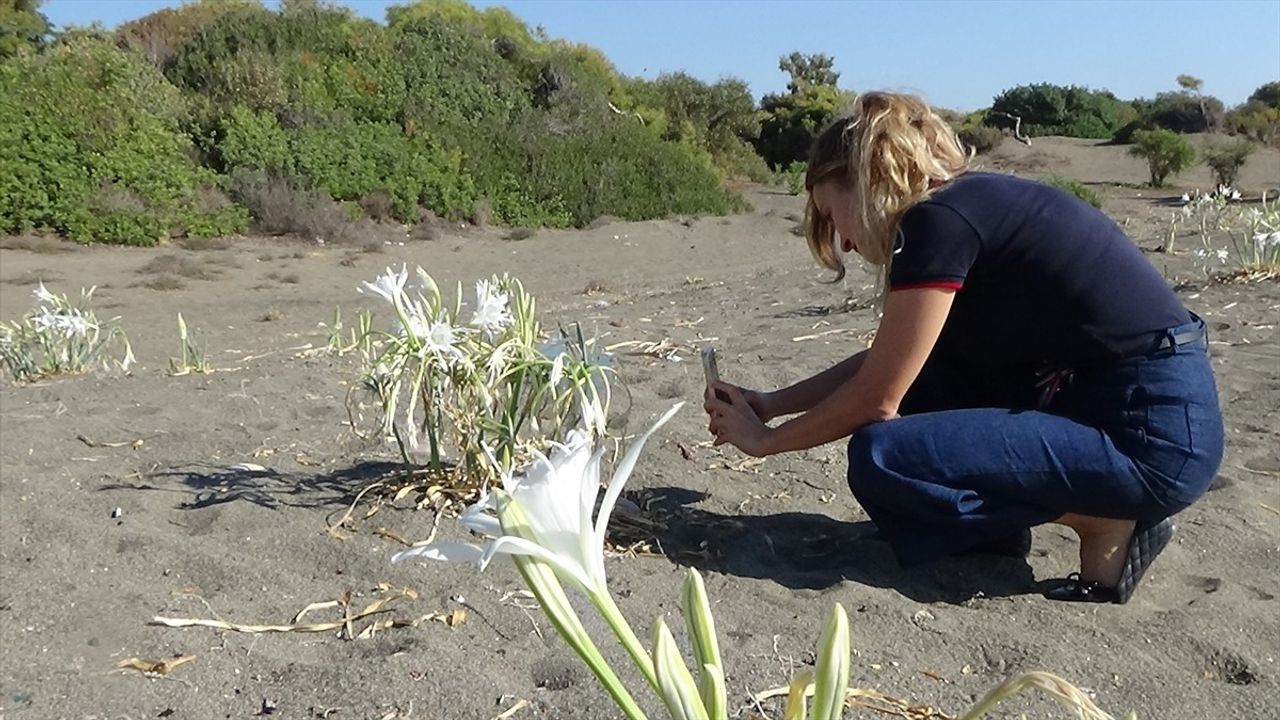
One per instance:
[(957, 54)]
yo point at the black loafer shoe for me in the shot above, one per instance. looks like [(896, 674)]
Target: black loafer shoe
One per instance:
[(1073, 589), (1147, 542)]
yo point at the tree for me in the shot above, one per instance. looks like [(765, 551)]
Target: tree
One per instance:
[(1165, 151), (808, 70), (1191, 84), (1268, 95), (792, 121), (21, 25)]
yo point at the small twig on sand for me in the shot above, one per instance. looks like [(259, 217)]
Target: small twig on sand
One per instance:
[(520, 705)]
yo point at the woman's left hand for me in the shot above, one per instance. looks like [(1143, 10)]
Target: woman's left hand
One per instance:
[(734, 422)]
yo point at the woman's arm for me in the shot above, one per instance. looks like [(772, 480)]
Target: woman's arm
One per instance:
[(912, 321), (802, 396)]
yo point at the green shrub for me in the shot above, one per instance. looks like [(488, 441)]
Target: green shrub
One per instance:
[(253, 140), (22, 27), (1257, 120), (1268, 94), (792, 177), (91, 146), (1076, 188), (159, 35), (352, 160), (1226, 160), (1165, 151), (982, 139), (1048, 109)]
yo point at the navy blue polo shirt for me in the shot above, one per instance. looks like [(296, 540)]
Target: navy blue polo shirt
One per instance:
[(1042, 278)]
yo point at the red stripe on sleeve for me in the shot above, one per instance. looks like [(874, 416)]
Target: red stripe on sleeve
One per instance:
[(944, 284)]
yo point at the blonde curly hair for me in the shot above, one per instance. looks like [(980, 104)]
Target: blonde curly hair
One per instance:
[(892, 150)]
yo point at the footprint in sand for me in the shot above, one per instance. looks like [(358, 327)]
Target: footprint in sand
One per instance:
[(1205, 585), (1229, 667)]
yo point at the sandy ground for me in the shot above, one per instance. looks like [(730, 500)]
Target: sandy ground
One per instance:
[(778, 542)]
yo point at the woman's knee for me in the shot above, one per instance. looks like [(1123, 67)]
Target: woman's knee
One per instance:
[(866, 470)]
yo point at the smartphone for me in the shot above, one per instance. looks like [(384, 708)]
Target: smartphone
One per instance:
[(709, 367), (711, 370)]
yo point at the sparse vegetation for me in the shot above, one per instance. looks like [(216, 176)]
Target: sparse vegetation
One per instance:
[(61, 337), (1076, 188)]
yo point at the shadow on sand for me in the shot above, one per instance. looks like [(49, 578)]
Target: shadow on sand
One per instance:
[(811, 551)]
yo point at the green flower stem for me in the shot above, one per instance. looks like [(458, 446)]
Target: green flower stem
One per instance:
[(566, 622), (603, 602)]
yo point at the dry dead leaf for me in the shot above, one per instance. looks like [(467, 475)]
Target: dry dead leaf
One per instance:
[(158, 668)]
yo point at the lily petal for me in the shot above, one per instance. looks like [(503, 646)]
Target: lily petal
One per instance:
[(477, 518), (512, 545), (623, 472), (448, 551)]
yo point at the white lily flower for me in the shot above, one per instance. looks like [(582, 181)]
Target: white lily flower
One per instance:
[(497, 363), (492, 315), (73, 325), (557, 372), (555, 495), (46, 321), (43, 295), (389, 285), (439, 338)]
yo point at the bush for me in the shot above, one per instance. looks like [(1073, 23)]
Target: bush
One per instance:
[(253, 140), (22, 27), (352, 160), (1076, 188), (1268, 95), (982, 139), (792, 177), (1165, 151), (1226, 160), (286, 206), (1073, 111), (619, 169), (1256, 120), (91, 146)]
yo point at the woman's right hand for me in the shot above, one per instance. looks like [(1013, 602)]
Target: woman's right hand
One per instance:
[(759, 402)]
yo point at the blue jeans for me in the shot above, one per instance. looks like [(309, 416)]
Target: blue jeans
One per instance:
[(1138, 439)]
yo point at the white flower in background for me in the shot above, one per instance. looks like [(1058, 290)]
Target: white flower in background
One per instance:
[(389, 285), (1266, 240), (43, 295), (1235, 195), (441, 339), (1223, 255), (496, 365), (491, 315), (46, 321), (557, 371), (1186, 198), (1201, 253), (545, 511)]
